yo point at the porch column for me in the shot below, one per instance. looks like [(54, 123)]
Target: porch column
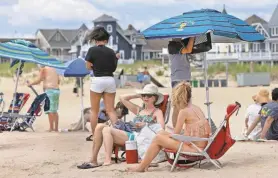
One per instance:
[(61, 54)]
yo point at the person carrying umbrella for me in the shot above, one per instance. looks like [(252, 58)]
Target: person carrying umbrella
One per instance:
[(180, 66)]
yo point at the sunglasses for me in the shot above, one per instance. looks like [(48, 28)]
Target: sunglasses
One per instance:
[(147, 95)]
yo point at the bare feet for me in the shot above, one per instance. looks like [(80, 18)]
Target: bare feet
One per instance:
[(49, 130), (135, 169), (106, 164)]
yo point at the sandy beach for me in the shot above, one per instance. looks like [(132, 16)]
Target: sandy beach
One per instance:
[(42, 154)]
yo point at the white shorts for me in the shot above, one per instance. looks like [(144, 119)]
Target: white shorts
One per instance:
[(103, 84)]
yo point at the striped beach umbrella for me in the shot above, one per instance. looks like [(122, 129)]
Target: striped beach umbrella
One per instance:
[(199, 22), (28, 52)]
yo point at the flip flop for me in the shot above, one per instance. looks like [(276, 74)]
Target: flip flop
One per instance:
[(87, 166), (89, 138)]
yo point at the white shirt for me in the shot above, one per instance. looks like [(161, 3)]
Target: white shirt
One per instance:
[(252, 113)]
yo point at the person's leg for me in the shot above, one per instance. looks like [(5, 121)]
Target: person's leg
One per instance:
[(54, 108), (56, 121), (110, 136), (162, 140), (109, 99), (51, 122), (98, 140), (95, 99)]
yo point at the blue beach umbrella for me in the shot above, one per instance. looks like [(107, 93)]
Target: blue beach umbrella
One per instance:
[(76, 68), (28, 52), (25, 51), (197, 23)]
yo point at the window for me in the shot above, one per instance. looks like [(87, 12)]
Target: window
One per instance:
[(110, 42), (133, 54), (146, 56), (109, 28), (122, 54), (274, 31), (58, 37), (256, 47), (132, 38), (117, 39), (243, 49)]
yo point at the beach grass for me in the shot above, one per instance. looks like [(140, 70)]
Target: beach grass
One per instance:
[(6, 71)]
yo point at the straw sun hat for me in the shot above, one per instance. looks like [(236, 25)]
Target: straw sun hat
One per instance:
[(151, 89), (262, 96)]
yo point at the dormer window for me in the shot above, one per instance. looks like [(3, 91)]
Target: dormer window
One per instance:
[(109, 28), (57, 37), (274, 31)]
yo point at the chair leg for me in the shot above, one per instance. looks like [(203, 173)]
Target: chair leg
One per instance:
[(15, 122), (116, 152), (177, 157)]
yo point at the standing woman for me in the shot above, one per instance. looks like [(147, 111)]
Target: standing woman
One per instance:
[(103, 61)]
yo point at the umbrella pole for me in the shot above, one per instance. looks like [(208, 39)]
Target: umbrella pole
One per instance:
[(82, 106), (16, 84), (208, 103)]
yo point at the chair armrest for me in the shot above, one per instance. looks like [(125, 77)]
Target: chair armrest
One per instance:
[(184, 138)]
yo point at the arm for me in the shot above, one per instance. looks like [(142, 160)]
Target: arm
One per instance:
[(89, 65), (253, 125), (130, 106), (89, 58), (159, 117), (38, 79), (246, 122), (189, 47), (267, 125), (180, 122)]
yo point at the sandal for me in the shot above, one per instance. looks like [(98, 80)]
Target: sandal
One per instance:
[(89, 138), (87, 166)]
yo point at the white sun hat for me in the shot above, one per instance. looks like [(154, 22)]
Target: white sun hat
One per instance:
[(153, 90)]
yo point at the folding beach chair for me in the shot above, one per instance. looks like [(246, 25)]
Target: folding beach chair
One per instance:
[(26, 121), (165, 107), (7, 118), (218, 143)]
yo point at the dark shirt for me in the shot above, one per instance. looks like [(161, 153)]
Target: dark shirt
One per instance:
[(104, 60), (270, 109)]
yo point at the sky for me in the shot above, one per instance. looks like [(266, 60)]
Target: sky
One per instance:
[(22, 18)]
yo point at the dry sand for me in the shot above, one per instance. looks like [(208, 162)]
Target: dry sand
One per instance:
[(43, 154)]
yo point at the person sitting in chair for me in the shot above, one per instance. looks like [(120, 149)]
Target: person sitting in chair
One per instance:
[(190, 117), (108, 136)]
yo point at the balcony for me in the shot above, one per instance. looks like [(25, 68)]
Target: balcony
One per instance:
[(243, 56)]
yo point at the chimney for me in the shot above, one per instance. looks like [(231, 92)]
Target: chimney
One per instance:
[(129, 27)]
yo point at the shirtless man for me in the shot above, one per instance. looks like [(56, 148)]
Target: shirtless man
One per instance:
[(51, 81)]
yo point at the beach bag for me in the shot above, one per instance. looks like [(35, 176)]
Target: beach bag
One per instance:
[(144, 139)]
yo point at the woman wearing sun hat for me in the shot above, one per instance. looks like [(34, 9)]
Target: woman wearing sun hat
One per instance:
[(109, 135)]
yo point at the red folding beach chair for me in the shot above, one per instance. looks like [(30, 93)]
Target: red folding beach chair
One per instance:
[(218, 144)]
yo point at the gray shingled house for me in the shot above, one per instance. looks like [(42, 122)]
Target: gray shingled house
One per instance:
[(58, 42), (129, 42)]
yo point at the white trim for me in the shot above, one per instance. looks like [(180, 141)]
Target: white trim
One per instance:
[(117, 39), (264, 30), (109, 28)]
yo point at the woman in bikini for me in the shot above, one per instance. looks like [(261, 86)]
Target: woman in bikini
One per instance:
[(108, 136), (191, 119)]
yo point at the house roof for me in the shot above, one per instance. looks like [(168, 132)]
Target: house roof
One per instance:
[(68, 34), (130, 30), (105, 18), (274, 18), (255, 19), (155, 45)]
